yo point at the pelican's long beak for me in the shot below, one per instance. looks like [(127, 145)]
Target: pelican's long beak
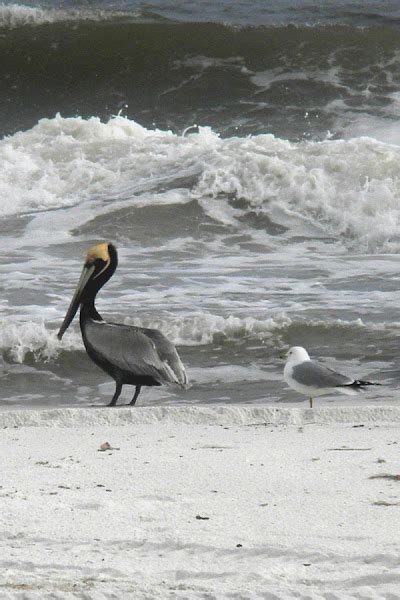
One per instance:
[(86, 274)]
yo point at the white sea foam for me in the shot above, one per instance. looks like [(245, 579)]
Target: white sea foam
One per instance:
[(265, 79), (37, 338), (205, 328), (209, 62), (16, 15), (348, 189), (62, 162), (17, 340)]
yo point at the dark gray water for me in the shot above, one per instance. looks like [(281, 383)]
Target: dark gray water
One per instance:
[(278, 223)]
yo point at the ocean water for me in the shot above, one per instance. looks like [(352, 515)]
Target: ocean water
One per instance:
[(274, 222)]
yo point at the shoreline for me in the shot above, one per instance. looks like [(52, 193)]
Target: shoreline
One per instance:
[(195, 415)]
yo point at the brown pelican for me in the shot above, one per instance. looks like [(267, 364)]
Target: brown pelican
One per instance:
[(130, 355)]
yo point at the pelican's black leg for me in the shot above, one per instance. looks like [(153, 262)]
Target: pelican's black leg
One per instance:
[(137, 392), (116, 394)]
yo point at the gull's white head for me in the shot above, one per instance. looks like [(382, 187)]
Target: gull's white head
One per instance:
[(297, 354)]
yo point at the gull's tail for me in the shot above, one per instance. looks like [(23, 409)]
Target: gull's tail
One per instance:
[(358, 385)]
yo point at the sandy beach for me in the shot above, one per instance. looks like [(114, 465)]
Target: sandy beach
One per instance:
[(219, 502)]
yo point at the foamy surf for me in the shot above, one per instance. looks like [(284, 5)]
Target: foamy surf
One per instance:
[(348, 190), (62, 162), (38, 341), (17, 340), (19, 15)]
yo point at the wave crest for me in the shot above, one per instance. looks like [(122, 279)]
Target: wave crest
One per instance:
[(17, 15), (348, 190), (205, 328), (18, 340), (36, 340)]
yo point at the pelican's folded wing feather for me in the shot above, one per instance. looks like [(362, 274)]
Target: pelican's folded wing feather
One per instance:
[(140, 351), (168, 355)]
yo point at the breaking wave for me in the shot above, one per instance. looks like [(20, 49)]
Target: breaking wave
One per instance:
[(19, 340), (36, 341), (19, 15), (348, 190)]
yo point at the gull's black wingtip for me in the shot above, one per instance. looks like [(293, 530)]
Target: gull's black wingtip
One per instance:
[(360, 384)]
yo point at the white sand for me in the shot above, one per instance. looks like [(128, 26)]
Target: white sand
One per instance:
[(289, 510)]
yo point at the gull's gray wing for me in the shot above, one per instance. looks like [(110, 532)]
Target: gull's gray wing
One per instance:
[(137, 350), (314, 375)]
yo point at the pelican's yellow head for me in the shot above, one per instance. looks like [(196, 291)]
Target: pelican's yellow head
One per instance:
[(101, 262), (99, 251)]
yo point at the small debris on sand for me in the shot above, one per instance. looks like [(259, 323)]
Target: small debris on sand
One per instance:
[(106, 446)]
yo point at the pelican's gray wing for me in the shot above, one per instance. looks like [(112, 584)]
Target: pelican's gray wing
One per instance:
[(314, 375), (167, 353), (140, 351)]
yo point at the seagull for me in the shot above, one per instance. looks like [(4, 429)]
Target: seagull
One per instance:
[(312, 379)]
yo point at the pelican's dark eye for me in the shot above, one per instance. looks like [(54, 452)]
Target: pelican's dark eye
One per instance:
[(100, 266), (99, 263)]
